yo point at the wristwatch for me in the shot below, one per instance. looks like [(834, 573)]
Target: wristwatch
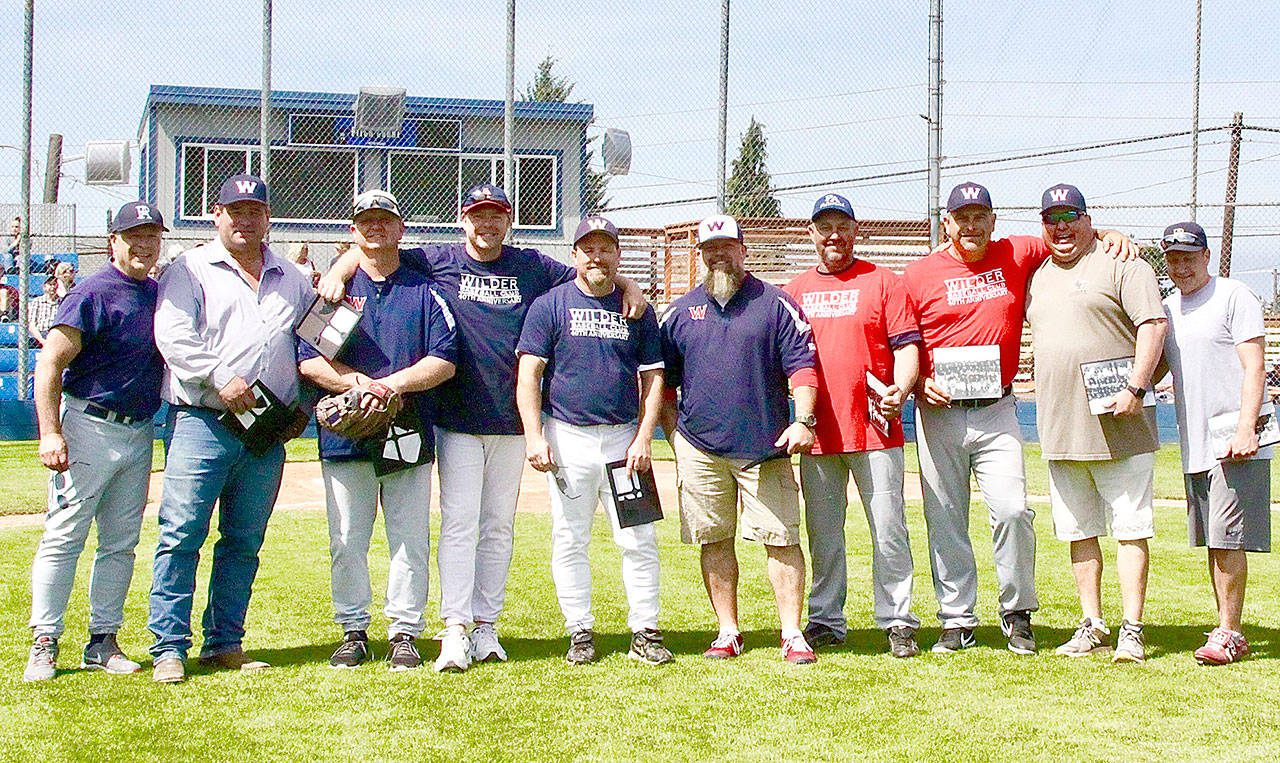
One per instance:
[(1137, 392), (809, 421)]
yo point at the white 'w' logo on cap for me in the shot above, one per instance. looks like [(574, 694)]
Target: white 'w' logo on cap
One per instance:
[(970, 192), (1058, 194), (597, 223), (142, 212), (246, 186)]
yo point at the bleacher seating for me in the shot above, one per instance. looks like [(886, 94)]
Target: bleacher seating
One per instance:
[(9, 331)]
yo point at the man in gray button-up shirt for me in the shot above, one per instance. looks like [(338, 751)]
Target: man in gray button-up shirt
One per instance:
[(224, 319)]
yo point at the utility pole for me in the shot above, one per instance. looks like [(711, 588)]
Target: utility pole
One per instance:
[(935, 118), (722, 157), (1195, 122), (264, 105), (1229, 204)]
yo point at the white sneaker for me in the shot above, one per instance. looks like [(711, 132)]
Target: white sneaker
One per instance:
[(455, 650), (484, 644)]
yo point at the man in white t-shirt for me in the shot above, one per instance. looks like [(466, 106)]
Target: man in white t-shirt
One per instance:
[(1215, 349)]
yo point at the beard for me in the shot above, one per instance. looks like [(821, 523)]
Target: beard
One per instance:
[(722, 284), (597, 278)]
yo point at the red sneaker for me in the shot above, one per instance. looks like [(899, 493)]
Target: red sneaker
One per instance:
[(1224, 646), (797, 651), (725, 647)]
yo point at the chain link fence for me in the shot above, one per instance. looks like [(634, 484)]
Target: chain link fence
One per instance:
[(817, 101)]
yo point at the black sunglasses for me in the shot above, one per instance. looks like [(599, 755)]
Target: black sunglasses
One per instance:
[(1065, 216)]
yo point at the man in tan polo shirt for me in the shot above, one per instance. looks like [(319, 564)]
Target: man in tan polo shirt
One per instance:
[(1085, 307)]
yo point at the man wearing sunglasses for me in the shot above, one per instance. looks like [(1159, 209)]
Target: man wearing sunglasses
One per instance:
[(1215, 349), (1091, 317), (970, 293)]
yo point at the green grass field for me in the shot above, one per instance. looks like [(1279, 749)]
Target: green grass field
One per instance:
[(855, 703), (22, 478)]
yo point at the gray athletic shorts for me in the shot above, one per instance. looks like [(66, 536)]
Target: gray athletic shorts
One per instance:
[(1229, 506)]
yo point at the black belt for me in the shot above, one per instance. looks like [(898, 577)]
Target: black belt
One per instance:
[(106, 414), (983, 402)]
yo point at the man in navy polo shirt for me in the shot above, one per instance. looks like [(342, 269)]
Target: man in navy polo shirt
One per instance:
[(731, 345), (579, 359), (405, 340), (101, 364), (479, 441)]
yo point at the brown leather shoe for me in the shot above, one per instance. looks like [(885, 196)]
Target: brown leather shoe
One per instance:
[(236, 660), (170, 670)]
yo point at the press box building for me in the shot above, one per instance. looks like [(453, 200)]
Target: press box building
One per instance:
[(191, 138)]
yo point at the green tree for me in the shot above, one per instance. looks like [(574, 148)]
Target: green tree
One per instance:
[(547, 87), (749, 192)]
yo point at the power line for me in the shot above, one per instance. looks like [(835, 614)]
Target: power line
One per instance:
[(799, 99)]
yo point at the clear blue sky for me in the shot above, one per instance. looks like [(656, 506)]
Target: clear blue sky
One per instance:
[(838, 88)]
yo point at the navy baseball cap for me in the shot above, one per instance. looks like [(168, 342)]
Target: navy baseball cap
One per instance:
[(485, 193), (1062, 195), (832, 201), (136, 214), (1184, 237), (967, 195), (243, 188), (375, 199), (592, 224)]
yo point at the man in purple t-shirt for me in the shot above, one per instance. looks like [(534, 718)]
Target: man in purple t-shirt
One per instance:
[(731, 346), (579, 401), (99, 365)]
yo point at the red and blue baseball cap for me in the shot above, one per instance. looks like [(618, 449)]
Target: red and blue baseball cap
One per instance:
[(485, 193), (243, 188), (1062, 195), (135, 214), (593, 224), (832, 201), (968, 195), (1184, 237)]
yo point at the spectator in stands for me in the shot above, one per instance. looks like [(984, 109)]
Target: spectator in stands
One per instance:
[(8, 303), (65, 272), (9, 258), (300, 255), (41, 311)]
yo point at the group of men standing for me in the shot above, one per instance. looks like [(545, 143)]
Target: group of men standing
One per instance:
[(502, 355)]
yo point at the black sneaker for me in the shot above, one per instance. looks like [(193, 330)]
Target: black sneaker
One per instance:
[(953, 640), (819, 635), (1016, 626), (582, 648), (902, 641), (403, 654), (646, 646), (354, 650)]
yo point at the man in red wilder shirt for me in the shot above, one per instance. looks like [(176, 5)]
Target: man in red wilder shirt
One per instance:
[(971, 293), (862, 324)]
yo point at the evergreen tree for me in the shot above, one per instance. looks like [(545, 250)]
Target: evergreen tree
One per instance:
[(547, 87), (749, 192)]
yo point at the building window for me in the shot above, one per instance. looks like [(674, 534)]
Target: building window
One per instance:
[(307, 185), (535, 197), (429, 186)]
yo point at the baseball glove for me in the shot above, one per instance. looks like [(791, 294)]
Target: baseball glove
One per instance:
[(360, 412)]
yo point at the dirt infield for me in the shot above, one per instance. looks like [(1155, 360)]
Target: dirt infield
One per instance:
[(303, 490)]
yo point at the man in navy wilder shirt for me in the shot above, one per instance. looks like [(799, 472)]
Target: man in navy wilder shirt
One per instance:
[(578, 398), (101, 364), (731, 345), (405, 340)]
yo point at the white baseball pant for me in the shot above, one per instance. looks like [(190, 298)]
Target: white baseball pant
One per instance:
[(581, 453)]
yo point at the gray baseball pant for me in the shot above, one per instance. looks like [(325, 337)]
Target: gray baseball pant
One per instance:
[(952, 442)]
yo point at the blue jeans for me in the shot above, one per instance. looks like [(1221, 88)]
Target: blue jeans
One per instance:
[(205, 463)]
